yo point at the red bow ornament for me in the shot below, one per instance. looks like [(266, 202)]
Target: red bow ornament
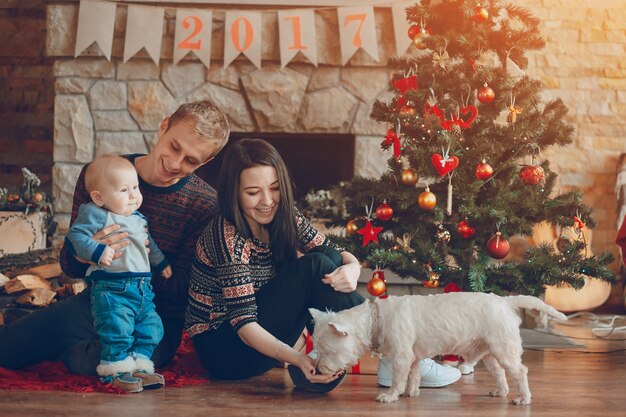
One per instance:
[(393, 139)]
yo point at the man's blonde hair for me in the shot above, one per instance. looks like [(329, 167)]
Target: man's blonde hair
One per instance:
[(98, 169), (209, 121)]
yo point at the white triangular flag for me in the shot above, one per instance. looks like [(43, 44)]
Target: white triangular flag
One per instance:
[(96, 21), (242, 35), (193, 33), (296, 33), (357, 29), (144, 29)]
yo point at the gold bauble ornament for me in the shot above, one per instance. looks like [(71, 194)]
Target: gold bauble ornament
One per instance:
[(409, 177), (37, 197), (351, 227), (427, 200)]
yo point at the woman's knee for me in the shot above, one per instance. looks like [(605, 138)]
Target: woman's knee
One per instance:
[(315, 265)]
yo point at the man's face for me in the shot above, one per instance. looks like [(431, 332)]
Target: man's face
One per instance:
[(179, 152)]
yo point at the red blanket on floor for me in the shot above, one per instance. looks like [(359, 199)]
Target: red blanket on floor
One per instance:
[(185, 369)]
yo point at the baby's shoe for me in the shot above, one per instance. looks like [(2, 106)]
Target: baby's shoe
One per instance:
[(118, 374), (144, 370), (124, 381)]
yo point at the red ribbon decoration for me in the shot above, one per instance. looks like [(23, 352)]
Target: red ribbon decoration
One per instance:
[(403, 85), (407, 83), (578, 224), (393, 139)]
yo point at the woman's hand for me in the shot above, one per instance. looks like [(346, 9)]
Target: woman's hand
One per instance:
[(344, 278), (307, 366), (115, 241)]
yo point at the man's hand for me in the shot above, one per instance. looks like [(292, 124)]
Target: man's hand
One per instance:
[(115, 241)]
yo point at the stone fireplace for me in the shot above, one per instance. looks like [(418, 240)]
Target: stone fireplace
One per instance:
[(106, 106)]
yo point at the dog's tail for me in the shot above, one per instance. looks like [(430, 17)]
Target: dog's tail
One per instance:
[(534, 303)]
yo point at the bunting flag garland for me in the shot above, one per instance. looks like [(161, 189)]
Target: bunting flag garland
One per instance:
[(242, 30), (96, 24), (144, 29), (193, 34)]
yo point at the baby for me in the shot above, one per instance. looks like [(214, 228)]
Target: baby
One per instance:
[(121, 293)]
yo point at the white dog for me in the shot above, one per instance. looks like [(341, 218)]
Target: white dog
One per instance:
[(412, 327)]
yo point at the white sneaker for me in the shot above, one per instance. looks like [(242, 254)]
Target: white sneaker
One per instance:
[(432, 375), (465, 368)]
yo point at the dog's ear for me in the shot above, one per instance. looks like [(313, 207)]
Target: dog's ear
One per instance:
[(316, 314), (340, 329)]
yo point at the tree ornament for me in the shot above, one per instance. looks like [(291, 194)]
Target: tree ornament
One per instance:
[(498, 246), (376, 285), (442, 235), (444, 164), (414, 30), (384, 211), (433, 280), (418, 39), (514, 110), (37, 197), (406, 84), (485, 94), (531, 174), (433, 277), (440, 58), (404, 244), (427, 200), (369, 233), (465, 230), (481, 14), (352, 227), (409, 177), (407, 111), (393, 139), (483, 171)]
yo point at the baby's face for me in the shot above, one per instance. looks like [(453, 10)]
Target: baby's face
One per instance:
[(120, 192)]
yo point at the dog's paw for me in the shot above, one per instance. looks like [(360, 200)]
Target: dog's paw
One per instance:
[(498, 393), (412, 391), (387, 397), (521, 401)]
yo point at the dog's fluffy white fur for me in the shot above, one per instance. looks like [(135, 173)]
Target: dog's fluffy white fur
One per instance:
[(412, 327)]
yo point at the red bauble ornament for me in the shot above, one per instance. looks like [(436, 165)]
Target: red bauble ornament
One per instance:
[(498, 246), (465, 230), (485, 94), (352, 227), (427, 200), (483, 171), (414, 30), (481, 14), (531, 174), (377, 286), (384, 212)]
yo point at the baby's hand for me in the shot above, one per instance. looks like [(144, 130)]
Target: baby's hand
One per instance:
[(107, 256), (167, 272)]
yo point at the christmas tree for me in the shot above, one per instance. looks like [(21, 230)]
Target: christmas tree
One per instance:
[(466, 133)]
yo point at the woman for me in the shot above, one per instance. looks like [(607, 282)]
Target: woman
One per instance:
[(249, 291)]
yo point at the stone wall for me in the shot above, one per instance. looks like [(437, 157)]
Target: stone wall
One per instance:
[(26, 93), (117, 106), (584, 63)]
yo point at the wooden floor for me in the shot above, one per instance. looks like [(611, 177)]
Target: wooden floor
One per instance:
[(581, 381)]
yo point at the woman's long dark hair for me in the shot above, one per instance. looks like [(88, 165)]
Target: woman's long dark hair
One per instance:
[(248, 153)]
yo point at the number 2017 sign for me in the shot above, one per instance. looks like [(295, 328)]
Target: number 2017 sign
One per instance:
[(296, 28)]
